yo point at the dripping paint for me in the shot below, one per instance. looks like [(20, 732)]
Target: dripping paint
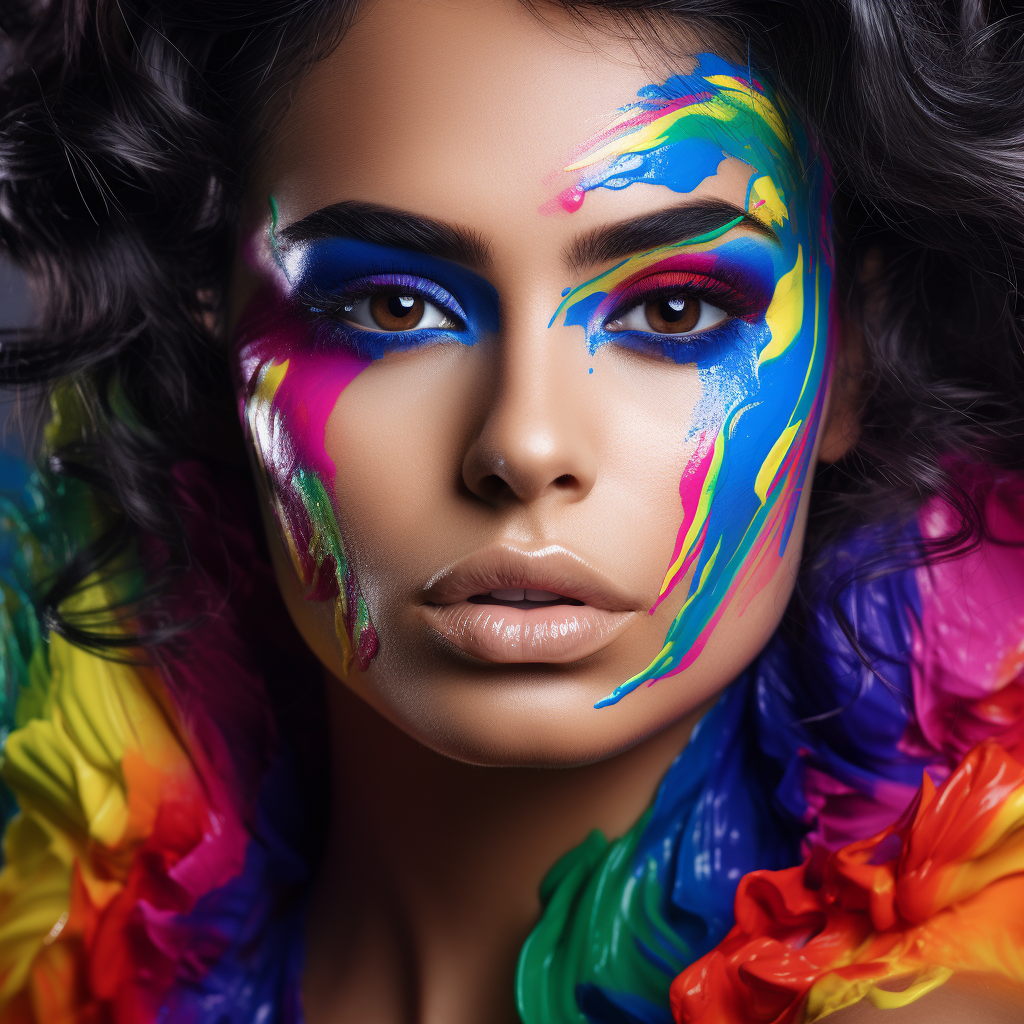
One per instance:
[(763, 373)]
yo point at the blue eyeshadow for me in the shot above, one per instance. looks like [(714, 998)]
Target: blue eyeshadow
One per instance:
[(339, 267)]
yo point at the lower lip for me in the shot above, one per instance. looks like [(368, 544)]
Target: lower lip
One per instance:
[(554, 633)]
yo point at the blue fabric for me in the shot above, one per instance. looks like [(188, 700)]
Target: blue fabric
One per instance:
[(259, 916)]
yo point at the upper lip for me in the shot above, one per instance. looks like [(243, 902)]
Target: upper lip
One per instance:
[(504, 567)]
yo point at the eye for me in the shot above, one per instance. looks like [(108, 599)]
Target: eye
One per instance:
[(394, 310), (673, 313)]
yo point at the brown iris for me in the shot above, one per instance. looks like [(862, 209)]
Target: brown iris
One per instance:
[(392, 311), (673, 314)]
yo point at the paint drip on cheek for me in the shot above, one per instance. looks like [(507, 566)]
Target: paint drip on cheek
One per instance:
[(763, 378), (289, 392)]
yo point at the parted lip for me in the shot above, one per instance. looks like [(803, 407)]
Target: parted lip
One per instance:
[(505, 567)]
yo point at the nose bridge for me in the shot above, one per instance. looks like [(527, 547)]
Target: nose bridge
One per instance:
[(535, 440)]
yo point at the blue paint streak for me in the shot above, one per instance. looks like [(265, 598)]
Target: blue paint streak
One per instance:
[(659, 167), (748, 405)]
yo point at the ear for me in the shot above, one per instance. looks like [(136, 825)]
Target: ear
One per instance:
[(842, 423)]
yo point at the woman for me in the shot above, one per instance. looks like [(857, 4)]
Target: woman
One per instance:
[(539, 330)]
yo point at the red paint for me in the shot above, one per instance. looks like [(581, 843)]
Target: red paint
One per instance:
[(940, 887)]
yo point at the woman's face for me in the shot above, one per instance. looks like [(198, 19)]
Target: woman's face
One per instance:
[(532, 350)]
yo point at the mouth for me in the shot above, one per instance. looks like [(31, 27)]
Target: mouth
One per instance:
[(510, 606)]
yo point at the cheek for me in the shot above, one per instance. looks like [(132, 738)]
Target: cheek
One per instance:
[(755, 429), (398, 437), (288, 392)]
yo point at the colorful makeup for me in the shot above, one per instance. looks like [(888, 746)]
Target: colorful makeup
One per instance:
[(763, 367), (331, 308), (330, 278)]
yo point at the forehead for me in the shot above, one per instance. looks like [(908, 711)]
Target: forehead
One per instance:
[(465, 111)]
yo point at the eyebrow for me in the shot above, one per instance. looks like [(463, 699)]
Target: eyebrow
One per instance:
[(384, 225), (617, 241)]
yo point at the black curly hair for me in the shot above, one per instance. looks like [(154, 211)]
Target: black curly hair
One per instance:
[(128, 130)]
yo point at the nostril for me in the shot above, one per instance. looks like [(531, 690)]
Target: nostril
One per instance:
[(492, 485), (565, 480)]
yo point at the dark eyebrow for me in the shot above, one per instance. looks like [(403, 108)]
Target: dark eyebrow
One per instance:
[(617, 241), (384, 225)]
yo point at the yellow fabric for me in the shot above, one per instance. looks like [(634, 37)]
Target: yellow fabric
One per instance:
[(67, 771)]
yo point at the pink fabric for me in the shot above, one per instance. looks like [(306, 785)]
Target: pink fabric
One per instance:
[(969, 649)]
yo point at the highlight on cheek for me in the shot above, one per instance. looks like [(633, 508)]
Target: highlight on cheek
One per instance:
[(764, 372), (290, 391)]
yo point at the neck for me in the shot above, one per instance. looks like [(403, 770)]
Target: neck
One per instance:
[(429, 883)]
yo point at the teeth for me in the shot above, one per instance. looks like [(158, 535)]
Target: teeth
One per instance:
[(524, 595)]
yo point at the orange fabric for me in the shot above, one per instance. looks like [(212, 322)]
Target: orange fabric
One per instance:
[(941, 889)]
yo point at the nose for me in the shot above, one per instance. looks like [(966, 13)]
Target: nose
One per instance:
[(535, 441)]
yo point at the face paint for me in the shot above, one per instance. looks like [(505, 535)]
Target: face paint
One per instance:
[(764, 368), (300, 342)]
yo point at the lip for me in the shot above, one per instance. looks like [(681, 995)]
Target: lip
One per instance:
[(554, 633)]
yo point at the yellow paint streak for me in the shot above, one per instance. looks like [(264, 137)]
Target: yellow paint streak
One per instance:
[(925, 983), (785, 315), (270, 380), (707, 492), (765, 204), (711, 562), (834, 992), (770, 466), (652, 135)]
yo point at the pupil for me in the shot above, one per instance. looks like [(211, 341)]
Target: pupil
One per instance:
[(674, 309), (399, 306)]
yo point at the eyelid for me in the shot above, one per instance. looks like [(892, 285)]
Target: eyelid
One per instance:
[(317, 299), (720, 293)]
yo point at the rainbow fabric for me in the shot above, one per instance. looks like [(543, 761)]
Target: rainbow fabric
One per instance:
[(804, 755), (941, 891), (158, 857), (151, 872)]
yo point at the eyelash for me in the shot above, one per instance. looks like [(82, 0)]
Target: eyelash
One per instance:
[(720, 293), (327, 309), (733, 298)]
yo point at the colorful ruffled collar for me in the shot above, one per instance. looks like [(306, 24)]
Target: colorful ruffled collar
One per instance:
[(144, 883)]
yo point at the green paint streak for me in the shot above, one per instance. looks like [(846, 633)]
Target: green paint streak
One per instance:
[(325, 540), (274, 217), (598, 905)]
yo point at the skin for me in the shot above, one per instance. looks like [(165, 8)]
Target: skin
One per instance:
[(448, 809), (511, 441)]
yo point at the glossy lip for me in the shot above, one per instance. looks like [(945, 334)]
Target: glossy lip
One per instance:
[(509, 635)]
